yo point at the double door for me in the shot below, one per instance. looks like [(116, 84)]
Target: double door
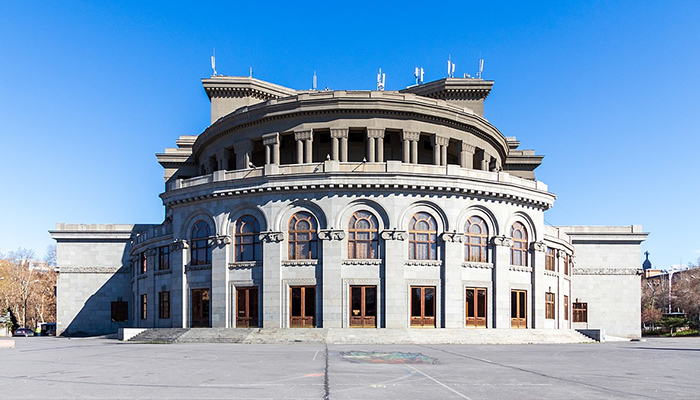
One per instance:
[(302, 306), (518, 307), (246, 307), (363, 306), (200, 308), (423, 306)]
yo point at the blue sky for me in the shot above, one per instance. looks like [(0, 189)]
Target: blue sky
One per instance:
[(608, 91)]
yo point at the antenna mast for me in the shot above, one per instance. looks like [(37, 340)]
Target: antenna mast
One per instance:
[(213, 63), (381, 79), (481, 67), (314, 82), (450, 67), (419, 75)]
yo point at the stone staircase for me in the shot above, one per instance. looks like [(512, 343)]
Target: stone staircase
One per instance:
[(361, 336)]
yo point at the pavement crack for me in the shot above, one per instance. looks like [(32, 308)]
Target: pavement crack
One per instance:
[(326, 386)]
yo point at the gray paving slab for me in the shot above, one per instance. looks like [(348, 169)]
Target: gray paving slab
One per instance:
[(107, 369)]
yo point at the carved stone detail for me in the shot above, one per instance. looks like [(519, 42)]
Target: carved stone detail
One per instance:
[(468, 147), (474, 264), (303, 135), (375, 133), (244, 146), (331, 234), (520, 268), (410, 136), (607, 271), (424, 263), (271, 138), (299, 263), (362, 262), (538, 246), (441, 140), (219, 241), (244, 264), (394, 235), (88, 270), (189, 268), (179, 245), (271, 237), (454, 237), (339, 133), (502, 241)]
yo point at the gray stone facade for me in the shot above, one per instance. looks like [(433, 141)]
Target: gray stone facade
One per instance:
[(453, 234)]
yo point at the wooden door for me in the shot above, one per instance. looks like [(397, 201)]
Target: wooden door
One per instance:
[(475, 306), (302, 306), (247, 307), (423, 306), (363, 306), (200, 308), (518, 307)]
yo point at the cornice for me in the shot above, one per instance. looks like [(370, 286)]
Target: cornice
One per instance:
[(606, 271)]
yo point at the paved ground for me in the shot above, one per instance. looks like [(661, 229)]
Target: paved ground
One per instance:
[(59, 368)]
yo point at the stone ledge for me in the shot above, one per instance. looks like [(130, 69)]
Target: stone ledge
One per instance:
[(88, 270)]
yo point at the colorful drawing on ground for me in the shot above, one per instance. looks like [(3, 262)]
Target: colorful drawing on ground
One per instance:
[(381, 357)]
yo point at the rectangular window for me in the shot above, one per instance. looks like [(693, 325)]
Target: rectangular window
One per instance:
[(566, 308), (550, 261), (164, 257), (144, 310), (567, 264), (164, 302), (580, 312), (120, 311), (549, 305), (144, 263)]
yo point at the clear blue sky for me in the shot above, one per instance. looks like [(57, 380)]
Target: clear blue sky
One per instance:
[(608, 91)]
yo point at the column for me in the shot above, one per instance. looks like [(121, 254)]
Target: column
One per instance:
[(331, 242), (271, 282), (339, 135), (485, 158), (443, 153), (178, 293), (244, 153), (308, 148), (453, 294), (271, 142), (375, 145), (410, 146), (220, 304), (222, 157), (436, 151), (303, 139), (501, 282), (466, 155), (440, 149), (394, 290), (537, 252)]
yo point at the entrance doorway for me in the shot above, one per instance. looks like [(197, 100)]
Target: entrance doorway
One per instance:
[(518, 307), (475, 308), (200, 308), (302, 306), (363, 306), (423, 306), (247, 307)]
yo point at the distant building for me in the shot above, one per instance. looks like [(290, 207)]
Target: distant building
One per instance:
[(374, 209)]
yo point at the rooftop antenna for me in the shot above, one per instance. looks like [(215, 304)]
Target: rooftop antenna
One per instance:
[(314, 82), (381, 79), (450, 67), (213, 63), (419, 75), (251, 72), (481, 67)]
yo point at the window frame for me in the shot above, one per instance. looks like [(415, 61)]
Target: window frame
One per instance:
[(580, 311), (550, 260), (294, 244), (200, 249), (144, 306), (164, 304), (549, 305), (519, 245), (241, 243), (431, 242), (163, 258), (566, 308), (372, 243), (482, 240)]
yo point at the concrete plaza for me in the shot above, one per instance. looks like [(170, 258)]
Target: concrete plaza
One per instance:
[(61, 368)]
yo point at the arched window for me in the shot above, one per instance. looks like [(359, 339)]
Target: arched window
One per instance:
[(200, 251), (362, 236), (477, 240), (518, 253), (302, 236), (422, 237), (247, 246)]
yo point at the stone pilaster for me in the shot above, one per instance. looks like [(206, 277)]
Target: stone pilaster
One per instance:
[(339, 138), (272, 284), (396, 298), (537, 251), (244, 154), (220, 306), (375, 138), (178, 294), (440, 144), (501, 282), (466, 156), (410, 146), (452, 278), (272, 148), (331, 243)]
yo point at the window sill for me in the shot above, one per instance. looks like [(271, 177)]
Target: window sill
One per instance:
[(424, 263), (244, 264), (299, 263), (197, 267), (362, 262), (474, 264), (520, 268)]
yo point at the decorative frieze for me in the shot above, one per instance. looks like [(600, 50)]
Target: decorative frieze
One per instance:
[(502, 241), (339, 133), (454, 237), (179, 245), (271, 237), (244, 264), (88, 270), (150, 252), (331, 234), (189, 268), (520, 268), (394, 234), (271, 138), (607, 271), (362, 262), (220, 240), (423, 263), (244, 146), (551, 273), (375, 133), (303, 135), (441, 140), (299, 263), (473, 264), (468, 147), (410, 136)]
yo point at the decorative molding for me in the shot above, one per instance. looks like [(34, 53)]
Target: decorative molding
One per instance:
[(520, 268), (271, 138), (220, 240), (189, 268), (551, 273), (410, 136), (88, 270), (179, 245), (339, 133), (441, 140), (163, 272), (468, 147), (474, 264), (375, 133), (242, 147), (502, 241), (303, 135), (538, 246), (300, 263), (331, 234), (150, 252), (271, 237), (423, 263), (607, 271), (362, 262), (244, 264), (394, 234), (454, 237)]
